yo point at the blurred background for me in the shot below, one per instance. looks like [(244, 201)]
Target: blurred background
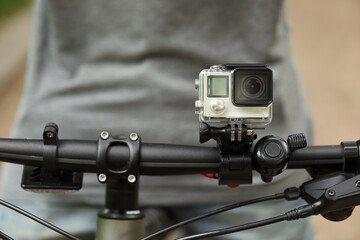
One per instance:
[(326, 42)]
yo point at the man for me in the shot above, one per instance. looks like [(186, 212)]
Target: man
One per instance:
[(128, 66)]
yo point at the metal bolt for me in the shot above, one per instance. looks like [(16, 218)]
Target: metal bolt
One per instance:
[(50, 135), (134, 136), (131, 178), (357, 183), (331, 193), (250, 132), (104, 135), (102, 177)]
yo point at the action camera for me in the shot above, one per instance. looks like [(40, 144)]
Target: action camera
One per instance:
[(235, 93)]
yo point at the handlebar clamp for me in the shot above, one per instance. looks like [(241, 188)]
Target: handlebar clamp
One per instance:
[(48, 178), (130, 171), (235, 168)]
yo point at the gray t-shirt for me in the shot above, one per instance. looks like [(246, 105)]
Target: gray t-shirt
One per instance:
[(128, 66)]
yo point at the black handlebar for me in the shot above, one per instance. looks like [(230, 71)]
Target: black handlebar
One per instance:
[(156, 159), (331, 156), (118, 162)]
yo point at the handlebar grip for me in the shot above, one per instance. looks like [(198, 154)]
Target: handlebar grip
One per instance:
[(333, 156)]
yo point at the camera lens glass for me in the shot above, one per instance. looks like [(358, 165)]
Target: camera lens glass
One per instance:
[(252, 87)]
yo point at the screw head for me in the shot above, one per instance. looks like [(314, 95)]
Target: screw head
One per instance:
[(331, 193), (104, 135), (357, 183), (50, 135), (134, 136), (102, 177), (131, 178)]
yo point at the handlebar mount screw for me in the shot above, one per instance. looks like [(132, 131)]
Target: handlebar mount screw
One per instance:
[(102, 177), (134, 137), (131, 178), (104, 135), (332, 193), (50, 135)]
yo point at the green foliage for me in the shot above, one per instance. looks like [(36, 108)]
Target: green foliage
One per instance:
[(7, 7)]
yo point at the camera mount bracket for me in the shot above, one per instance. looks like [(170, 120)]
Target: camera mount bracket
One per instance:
[(234, 142), (233, 124), (235, 137)]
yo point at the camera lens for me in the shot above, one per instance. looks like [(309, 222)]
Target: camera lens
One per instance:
[(252, 87)]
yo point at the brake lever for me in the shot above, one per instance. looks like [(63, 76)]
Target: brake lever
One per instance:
[(333, 196)]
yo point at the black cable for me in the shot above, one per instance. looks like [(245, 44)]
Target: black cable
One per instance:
[(237, 228), (216, 211), (3, 236), (295, 214), (38, 220)]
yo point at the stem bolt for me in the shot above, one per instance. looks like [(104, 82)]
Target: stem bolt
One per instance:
[(331, 193), (102, 177), (134, 137), (357, 183), (104, 135), (131, 178)]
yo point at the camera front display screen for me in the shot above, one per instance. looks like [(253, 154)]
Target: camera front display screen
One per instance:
[(252, 87), (218, 86)]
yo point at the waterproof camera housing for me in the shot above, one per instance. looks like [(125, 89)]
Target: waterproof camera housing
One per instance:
[(235, 93)]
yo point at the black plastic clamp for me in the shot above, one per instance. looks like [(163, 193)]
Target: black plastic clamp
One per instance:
[(49, 178), (235, 168), (50, 138), (130, 171)]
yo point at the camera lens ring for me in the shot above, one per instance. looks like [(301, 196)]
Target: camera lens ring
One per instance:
[(252, 87)]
